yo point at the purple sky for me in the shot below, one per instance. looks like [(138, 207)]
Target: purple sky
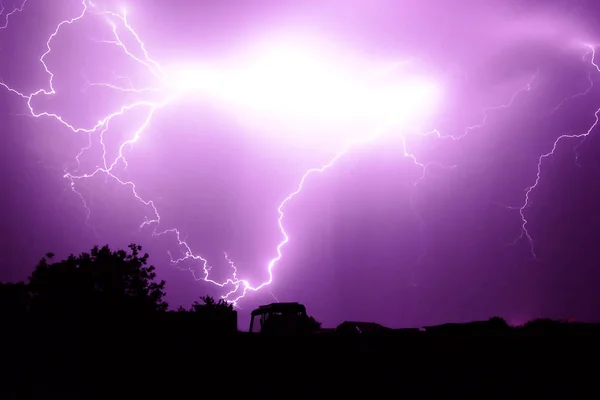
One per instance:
[(368, 239)]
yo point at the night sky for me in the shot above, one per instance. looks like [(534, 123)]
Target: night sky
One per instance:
[(376, 236)]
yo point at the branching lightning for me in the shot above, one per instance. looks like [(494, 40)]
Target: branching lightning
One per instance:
[(236, 288), (525, 234), (6, 15)]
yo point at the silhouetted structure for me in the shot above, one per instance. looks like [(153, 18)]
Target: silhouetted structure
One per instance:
[(352, 327), (282, 318)]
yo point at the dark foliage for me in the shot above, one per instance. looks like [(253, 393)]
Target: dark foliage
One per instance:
[(498, 322), (209, 303), (214, 316), (185, 349), (101, 281)]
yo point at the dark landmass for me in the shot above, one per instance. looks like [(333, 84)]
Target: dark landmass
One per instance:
[(96, 326), (179, 358)]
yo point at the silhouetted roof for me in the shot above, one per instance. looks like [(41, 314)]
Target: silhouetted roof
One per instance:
[(280, 307), (361, 327)]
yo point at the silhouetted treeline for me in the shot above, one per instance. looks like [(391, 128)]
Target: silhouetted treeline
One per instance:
[(104, 286), (119, 286), (96, 325)]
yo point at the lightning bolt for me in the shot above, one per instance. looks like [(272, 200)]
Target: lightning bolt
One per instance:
[(236, 287), (525, 234), (6, 15), (486, 112)]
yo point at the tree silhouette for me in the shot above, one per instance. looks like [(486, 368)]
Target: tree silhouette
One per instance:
[(216, 316), (211, 305), (101, 281), (498, 323)]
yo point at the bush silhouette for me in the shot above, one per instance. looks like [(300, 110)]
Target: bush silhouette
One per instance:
[(101, 281), (212, 315), (312, 324), (212, 305)]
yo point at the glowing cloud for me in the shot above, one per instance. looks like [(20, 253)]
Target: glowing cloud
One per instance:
[(293, 81), (296, 85)]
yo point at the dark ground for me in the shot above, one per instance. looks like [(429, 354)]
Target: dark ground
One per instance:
[(153, 360)]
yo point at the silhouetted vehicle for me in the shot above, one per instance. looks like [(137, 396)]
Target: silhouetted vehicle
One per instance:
[(282, 318)]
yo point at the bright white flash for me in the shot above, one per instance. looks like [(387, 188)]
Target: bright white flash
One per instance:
[(297, 85)]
